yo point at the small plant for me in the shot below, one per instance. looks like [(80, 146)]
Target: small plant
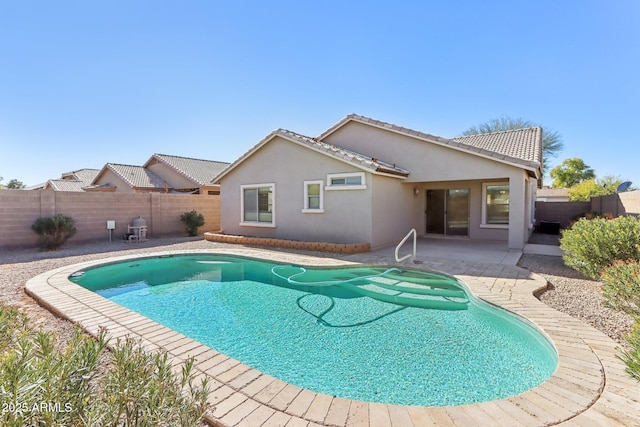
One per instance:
[(631, 357), (192, 220), (590, 246), (622, 286), (54, 231)]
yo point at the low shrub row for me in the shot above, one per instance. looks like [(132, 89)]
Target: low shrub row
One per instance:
[(45, 382), (54, 231), (608, 249)]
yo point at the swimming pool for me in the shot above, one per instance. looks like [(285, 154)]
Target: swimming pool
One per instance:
[(323, 330)]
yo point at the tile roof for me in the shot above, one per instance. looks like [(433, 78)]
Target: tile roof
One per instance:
[(73, 181), (519, 143), (526, 152), (66, 184), (521, 147), (361, 160), (136, 176), (86, 175), (197, 170)]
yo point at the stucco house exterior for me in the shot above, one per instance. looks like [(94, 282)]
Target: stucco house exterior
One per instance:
[(364, 180), (161, 173)]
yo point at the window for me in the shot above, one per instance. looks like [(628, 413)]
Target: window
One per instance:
[(257, 205), (313, 197), (495, 209), (346, 181)]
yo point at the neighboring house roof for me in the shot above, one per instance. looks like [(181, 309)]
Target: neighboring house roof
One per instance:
[(552, 193), (134, 176), (65, 185), (85, 175), (72, 181), (361, 161), (522, 147), (199, 171)]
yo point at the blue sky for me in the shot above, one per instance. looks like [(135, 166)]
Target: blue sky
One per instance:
[(83, 83)]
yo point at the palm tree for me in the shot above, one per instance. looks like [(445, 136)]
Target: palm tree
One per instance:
[(551, 140)]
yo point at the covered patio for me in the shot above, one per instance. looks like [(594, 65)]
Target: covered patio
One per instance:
[(465, 250)]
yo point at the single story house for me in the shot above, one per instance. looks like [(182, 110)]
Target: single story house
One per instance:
[(69, 181), (185, 174), (367, 181), (161, 173), (552, 195)]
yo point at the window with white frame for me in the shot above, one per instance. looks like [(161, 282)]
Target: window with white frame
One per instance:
[(495, 208), (257, 205), (313, 197), (346, 181)]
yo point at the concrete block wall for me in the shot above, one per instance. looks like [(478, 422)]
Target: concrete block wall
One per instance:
[(91, 211), (562, 212), (627, 203)]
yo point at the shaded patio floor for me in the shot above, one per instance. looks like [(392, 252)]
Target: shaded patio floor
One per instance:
[(472, 251)]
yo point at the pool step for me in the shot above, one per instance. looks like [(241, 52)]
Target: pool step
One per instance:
[(447, 290), (405, 295)]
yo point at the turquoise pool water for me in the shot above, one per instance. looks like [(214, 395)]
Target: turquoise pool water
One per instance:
[(330, 332)]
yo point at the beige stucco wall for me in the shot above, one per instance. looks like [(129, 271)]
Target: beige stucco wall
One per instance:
[(347, 216), (108, 177), (394, 211), (425, 161), (173, 178), (434, 166)]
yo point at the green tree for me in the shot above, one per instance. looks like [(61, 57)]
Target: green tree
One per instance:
[(551, 140), (585, 190), (15, 184), (571, 172)]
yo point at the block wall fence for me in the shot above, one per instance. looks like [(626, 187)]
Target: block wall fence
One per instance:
[(91, 211), (627, 203)]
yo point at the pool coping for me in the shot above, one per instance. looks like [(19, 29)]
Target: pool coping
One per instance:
[(589, 387)]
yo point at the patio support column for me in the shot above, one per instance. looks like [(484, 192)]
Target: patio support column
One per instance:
[(517, 214)]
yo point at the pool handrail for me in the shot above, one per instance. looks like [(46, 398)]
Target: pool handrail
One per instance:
[(402, 242)]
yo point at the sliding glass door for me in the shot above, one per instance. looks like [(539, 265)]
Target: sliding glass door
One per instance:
[(448, 212)]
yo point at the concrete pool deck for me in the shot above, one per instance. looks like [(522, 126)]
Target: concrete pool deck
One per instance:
[(589, 387)]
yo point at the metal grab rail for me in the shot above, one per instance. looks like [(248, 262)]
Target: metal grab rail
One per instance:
[(402, 242)]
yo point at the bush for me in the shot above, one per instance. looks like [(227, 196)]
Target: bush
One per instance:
[(631, 357), (53, 231), (45, 383), (192, 221), (622, 286), (591, 245)]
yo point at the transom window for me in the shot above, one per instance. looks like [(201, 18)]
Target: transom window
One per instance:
[(495, 209), (258, 205), (313, 197), (346, 181)]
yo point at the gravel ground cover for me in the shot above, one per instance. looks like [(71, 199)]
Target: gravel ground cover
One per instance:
[(568, 291)]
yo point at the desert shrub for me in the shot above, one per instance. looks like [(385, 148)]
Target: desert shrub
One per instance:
[(143, 390), (622, 286), (53, 231), (192, 220), (43, 382), (631, 357), (591, 245)]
